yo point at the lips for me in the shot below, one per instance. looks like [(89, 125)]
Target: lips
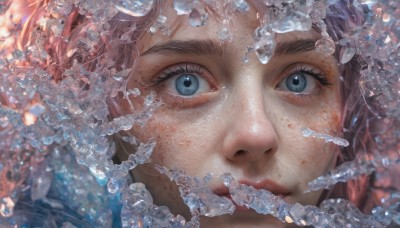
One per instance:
[(266, 184)]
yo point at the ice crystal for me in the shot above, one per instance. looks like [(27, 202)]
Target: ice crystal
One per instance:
[(6, 207), (264, 202), (325, 46), (327, 138), (197, 196), (198, 16), (224, 32), (55, 125), (353, 169), (137, 8), (264, 44), (241, 5), (159, 25), (183, 6), (139, 211), (292, 16)]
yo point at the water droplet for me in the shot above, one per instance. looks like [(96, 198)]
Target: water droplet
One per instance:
[(325, 46), (265, 51), (183, 6), (307, 132), (4, 121), (225, 33), (241, 5), (346, 54), (265, 44), (135, 92), (136, 8), (246, 54), (37, 109), (149, 100), (114, 185), (197, 19), (6, 207)]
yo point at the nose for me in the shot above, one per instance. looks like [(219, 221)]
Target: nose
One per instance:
[(250, 135)]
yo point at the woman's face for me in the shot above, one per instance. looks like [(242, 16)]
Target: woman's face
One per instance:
[(220, 114)]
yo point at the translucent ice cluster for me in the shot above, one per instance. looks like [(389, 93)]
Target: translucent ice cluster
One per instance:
[(331, 213), (139, 211), (365, 164), (40, 116), (56, 129), (197, 196), (134, 8)]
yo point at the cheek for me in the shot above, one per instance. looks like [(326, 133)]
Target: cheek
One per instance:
[(163, 135), (311, 156)]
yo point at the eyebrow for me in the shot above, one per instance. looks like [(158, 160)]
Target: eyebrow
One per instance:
[(212, 47)]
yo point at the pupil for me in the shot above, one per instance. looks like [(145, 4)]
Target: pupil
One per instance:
[(187, 82), (296, 80)]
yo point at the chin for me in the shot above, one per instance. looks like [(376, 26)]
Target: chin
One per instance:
[(243, 219)]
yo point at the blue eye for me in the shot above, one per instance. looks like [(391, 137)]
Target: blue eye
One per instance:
[(304, 80), (296, 83), (187, 84)]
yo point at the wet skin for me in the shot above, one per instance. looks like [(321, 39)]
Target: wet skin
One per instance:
[(243, 118)]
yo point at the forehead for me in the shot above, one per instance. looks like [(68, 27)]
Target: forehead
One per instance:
[(241, 26)]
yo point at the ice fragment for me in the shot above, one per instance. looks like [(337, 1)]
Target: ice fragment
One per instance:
[(241, 5), (135, 92), (325, 46), (197, 196), (183, 6), (336, 140), (351, 170), (4, 121), (37, 109), (136, 8), (6, 207), (198, 16), (264, 44), (224, 32)]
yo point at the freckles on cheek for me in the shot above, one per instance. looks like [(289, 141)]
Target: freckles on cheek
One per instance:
[(162, 133), (327, 120), (184, 143), (303, 163)]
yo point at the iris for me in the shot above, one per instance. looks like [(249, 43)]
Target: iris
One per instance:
[(187, 84), (296, 83)]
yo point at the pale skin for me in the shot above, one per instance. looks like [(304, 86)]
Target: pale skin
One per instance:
[(242, 119)]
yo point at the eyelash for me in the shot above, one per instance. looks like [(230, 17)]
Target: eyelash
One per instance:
[(321, 77), (183, 68), (176, 70)]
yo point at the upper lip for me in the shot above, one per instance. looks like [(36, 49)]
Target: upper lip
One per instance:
[(266, 184)]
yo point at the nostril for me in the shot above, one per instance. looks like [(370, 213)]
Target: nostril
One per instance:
[(240, 153)]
